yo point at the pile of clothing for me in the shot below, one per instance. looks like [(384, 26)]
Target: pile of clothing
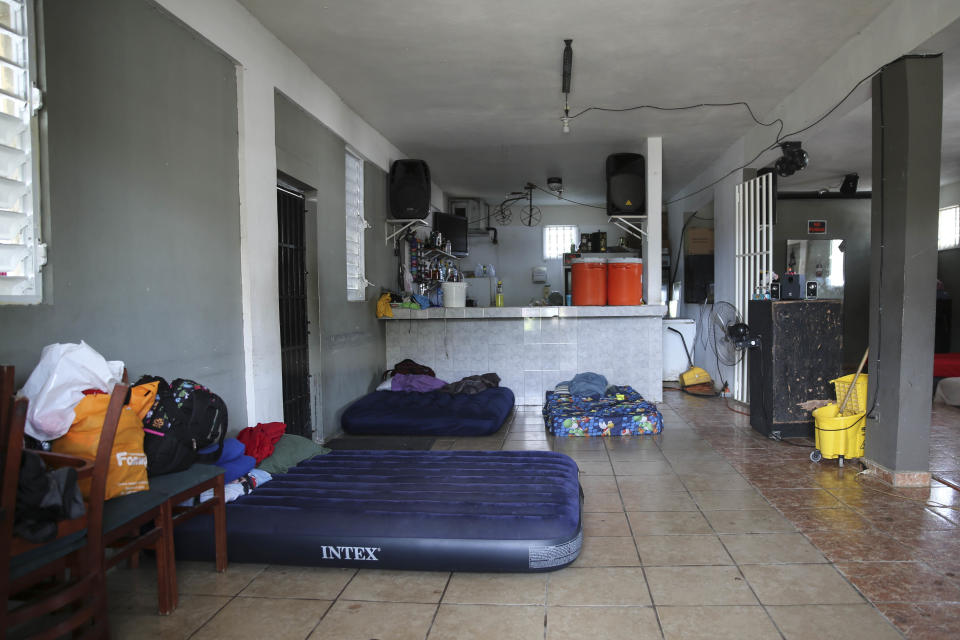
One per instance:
[(411, 376), (255, 455)]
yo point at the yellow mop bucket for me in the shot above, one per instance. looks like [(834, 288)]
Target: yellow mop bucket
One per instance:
[(842, 435)]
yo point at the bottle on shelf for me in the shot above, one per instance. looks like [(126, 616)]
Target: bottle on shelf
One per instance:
[(499, 299)]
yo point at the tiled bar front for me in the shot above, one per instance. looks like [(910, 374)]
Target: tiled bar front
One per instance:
[(532, 354)]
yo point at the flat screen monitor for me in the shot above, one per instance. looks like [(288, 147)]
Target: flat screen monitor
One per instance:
[(454, 229)]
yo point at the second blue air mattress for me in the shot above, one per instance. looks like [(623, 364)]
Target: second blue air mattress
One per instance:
[(430, 413), (517, 511)]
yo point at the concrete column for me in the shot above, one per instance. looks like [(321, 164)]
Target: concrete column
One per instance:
[(907, 113)]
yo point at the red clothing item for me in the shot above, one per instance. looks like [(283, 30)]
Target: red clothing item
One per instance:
[(946, 365), (260, 440)]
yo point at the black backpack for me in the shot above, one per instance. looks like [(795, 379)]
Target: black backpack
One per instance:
[(185, 417)]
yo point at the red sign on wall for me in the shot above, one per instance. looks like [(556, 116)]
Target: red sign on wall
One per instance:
[(817, 226)]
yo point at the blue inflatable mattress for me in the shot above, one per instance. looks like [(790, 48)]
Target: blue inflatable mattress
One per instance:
[(516, 511), (428, 413)]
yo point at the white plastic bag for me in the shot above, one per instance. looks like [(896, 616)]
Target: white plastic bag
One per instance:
[(57, 384)]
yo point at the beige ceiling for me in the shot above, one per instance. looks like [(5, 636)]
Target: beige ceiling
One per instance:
[(474, 87)]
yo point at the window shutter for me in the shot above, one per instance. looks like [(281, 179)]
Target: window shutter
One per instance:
[(21, 253), (356, 224)]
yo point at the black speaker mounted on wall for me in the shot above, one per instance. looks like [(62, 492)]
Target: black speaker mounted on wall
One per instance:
[(626, 184), (409, 189)]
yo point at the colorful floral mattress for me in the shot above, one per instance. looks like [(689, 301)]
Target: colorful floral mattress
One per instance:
[(621, 411)]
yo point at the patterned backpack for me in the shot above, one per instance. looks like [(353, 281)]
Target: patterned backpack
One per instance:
[(185, 417)]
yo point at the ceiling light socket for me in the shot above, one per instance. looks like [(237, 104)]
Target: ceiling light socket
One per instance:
[(555, 185)]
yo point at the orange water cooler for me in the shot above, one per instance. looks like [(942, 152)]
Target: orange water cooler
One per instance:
[(625, 281), (589, 279)]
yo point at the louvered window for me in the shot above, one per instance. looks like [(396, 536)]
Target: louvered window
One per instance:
[(356, 224), (21, 252)]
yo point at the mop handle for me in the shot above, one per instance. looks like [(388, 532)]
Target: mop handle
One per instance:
[(846, 397)]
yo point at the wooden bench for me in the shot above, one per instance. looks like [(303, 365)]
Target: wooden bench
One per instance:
[(125, 517)]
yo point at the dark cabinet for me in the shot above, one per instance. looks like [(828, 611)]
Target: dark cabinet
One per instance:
[(800, 352)]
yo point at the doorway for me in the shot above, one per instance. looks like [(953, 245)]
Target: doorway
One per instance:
[(294, 322)]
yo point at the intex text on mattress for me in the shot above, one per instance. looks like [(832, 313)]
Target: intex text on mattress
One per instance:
[(429, 413), (517, 511)]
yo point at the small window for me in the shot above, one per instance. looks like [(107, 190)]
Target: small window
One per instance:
[(22, 252), (557, 239), (948, 233), (356, 224)]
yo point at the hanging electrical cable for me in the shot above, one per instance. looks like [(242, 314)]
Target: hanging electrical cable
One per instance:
[(688, 107)]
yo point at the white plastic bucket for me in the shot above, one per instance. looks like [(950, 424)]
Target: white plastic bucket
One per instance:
[(454, 294)]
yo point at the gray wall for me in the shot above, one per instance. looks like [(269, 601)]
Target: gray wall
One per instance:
[(143, 223), (351, 344), (847, 220)]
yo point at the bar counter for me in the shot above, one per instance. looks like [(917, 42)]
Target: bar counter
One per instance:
[(528, 312), (534, 348)]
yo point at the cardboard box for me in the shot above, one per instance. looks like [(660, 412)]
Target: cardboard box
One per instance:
[(699, 241)]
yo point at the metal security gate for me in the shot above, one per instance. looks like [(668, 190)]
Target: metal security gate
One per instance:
[(754, 258), (294, 331)]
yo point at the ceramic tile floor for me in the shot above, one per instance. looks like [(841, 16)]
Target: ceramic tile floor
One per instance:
[(705, 531)]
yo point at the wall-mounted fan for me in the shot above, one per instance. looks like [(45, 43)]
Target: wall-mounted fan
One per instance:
[(731, 336)]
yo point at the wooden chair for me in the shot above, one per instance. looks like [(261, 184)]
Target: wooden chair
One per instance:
[(55, 588)]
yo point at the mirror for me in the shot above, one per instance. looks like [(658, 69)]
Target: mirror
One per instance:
[(820, 260)]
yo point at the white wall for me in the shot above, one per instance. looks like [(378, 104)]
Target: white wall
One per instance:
[(266, 65), (520, 248), (950, 194)]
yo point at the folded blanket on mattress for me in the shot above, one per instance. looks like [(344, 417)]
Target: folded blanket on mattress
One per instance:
[(434, 413), (948, 392), (415, 382), (621, 411)]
